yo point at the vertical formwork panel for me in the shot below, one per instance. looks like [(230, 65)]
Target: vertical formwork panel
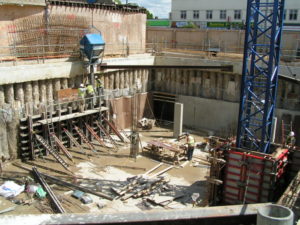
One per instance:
[(252, 178)]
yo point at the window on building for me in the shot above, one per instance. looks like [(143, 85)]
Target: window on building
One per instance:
[(183, 14), (284, 14), (196, 14), (223, 15), (293, 14), (209, 14), (237, 14)]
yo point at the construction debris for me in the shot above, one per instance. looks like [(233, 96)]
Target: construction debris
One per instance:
[(165, 150), (51, 194), (146, 124), (144, 184)]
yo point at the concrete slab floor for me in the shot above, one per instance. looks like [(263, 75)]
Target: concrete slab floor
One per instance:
[(101, 175)]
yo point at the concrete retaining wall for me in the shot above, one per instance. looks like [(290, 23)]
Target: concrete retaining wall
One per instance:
[(124, 32), (226, 40)]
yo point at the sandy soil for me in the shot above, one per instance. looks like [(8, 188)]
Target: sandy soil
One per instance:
[(102, 172)]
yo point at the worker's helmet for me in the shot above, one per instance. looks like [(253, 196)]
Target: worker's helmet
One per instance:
[(96, 77), (292, 134), (81, 85)]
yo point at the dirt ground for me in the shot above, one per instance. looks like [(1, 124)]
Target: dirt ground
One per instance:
[(102, 171)]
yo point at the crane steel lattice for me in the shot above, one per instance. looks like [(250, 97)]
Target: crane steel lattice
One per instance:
[(260, 73)]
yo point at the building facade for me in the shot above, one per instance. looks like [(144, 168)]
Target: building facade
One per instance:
[(224, 14)]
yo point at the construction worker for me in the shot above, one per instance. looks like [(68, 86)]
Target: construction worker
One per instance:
[(99, 86), (90, 94), (81, 94), (291, 140), (190, 141)]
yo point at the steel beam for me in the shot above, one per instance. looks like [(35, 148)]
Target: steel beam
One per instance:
[(228, 68)]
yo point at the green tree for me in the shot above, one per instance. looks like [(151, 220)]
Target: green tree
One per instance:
[(118, 2), (149, 15)]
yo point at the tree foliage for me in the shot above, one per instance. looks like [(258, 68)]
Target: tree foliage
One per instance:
[(149, 15)]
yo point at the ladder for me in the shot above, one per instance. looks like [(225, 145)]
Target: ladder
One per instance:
[(95, 135), (286, 128), (52, 151), (75, 142), (84, 138), (62, 147), (50, 128), (102, 129), (114, 129)]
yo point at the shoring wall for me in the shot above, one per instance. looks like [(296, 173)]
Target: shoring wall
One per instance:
[(210, 99), (33, 28), (230, 41)]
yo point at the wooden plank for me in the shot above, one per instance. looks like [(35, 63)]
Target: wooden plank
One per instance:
[(73, 115)]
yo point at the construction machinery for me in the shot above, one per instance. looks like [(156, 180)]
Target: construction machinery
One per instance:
[(92, 48), (260, 74)]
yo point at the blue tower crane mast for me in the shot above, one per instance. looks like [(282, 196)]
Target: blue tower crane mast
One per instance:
[(263, 32)]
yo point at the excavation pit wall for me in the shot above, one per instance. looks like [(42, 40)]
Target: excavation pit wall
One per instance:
[(210, 98)]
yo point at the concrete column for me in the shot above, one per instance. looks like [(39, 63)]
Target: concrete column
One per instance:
[(134, 78), (198, 84), (49, 91), (143, 80), (64, 83), (9, 94), (220, 88), (56, 88), (28, 98), (78, 81), (117, 80), (178, 81), (28, 93), (178, 119), (35, 92), (106, 81), (2, 96), (186, 81), (213, 84), (122, 79), (126, 79), (190, 83), (19, 92), (43, 91), (146, 80), (71, 83), (130, 76), (111, 80)]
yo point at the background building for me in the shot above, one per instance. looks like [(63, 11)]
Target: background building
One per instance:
[(224, 14)]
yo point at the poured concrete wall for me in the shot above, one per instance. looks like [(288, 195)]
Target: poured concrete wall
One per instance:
[(119, 29), (124, 32), (8, 14), (226, 40)]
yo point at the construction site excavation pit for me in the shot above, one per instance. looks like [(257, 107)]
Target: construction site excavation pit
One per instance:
[(139, 133)]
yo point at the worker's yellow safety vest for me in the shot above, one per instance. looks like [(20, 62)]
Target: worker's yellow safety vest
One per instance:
[(90, 89), (81, 92), (191, 141), (99, 83)]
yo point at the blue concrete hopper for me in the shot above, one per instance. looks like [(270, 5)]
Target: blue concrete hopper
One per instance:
[(92, 45)]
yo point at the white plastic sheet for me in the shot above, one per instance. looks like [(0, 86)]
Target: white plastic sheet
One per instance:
[(11, 189)]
